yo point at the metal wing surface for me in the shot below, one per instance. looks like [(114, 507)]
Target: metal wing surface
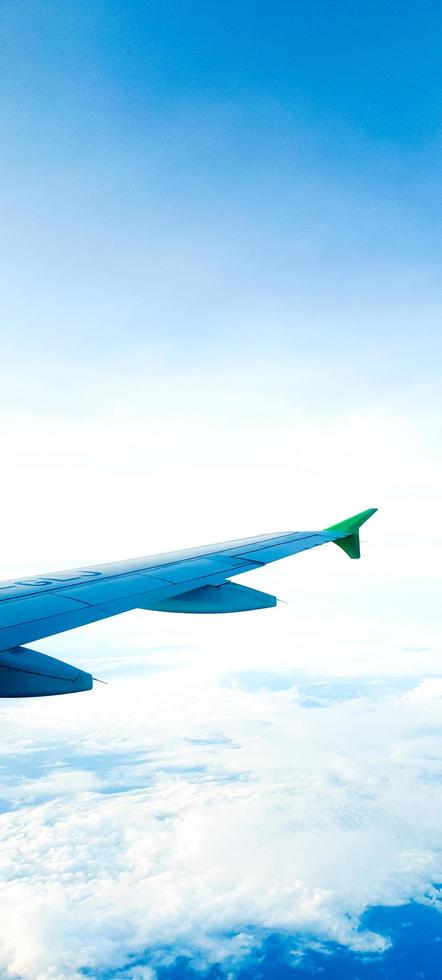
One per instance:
[(194, 581)]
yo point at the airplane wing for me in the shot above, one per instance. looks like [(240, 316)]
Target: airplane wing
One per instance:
[(194, 581)]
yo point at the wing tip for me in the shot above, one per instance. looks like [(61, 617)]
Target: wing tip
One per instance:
[(352, 524), (347, 532)]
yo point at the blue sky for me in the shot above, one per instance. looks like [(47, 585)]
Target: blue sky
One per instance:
[(220, 316), (253, 177)]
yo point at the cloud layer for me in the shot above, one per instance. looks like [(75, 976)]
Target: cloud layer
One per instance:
[(197, 813)]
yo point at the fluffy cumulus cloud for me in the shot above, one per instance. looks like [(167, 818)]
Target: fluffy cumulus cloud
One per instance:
[(183, 812)]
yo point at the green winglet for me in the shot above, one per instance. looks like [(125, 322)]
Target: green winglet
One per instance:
[(349, 529)]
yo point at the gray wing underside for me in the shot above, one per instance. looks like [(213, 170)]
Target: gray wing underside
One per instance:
[(37, 607)]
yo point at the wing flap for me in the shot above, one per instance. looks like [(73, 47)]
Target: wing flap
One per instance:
[(34, 607), (194, 568), (110, 590), (283, 550)]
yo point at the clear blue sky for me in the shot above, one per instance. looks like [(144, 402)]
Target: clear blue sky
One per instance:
[(245, 174)]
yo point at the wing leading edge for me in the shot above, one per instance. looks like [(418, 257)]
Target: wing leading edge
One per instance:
[(194, 581)]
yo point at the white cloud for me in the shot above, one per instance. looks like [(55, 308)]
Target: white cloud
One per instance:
[(212, 812)]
